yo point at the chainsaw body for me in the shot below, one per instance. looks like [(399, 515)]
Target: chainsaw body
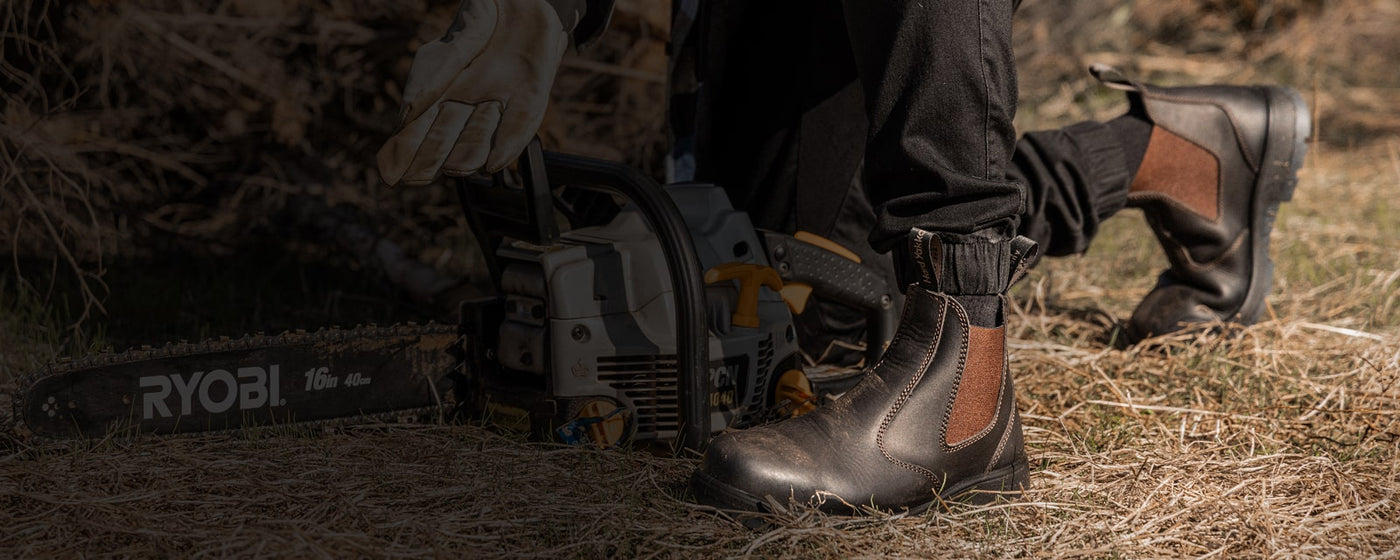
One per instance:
[(602, 331), (655, 314), (589, 324)]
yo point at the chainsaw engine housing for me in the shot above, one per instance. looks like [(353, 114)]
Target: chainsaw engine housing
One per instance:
[(590, 321)]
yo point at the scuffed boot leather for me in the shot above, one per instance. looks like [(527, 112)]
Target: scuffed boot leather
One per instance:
[(1220, 161), (934, 420)]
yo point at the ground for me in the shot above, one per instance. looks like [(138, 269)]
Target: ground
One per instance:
[(1278, 440), (1281, 439)]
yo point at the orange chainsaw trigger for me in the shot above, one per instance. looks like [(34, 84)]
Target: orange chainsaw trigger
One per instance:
[(750, 277)]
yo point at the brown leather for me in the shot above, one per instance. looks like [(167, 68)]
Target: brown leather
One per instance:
[(979, 390), (1255, 137), (1182, 172), (885, 442)]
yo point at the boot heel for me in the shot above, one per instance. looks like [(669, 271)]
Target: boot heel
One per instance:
[(1290, 126), (1289, 142)]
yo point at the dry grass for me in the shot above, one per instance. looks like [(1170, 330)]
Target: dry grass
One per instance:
[(1278, 440), (131, 127)]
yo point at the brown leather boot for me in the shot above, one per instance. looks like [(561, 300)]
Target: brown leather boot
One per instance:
[(1220, 161), (934, 420)]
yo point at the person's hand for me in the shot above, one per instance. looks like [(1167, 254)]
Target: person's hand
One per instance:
[(475, 98)]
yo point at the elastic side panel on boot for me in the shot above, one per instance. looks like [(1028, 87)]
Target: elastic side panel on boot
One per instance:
[(979, 392), (1181, 171)]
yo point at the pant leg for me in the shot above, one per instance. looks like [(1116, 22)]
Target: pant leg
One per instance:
[(1076, 177), (765, 102), (765, 108), (940, 85), (776, 124), (759, 95)]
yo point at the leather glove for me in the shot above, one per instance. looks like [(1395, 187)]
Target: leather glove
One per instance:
[(475, 98)]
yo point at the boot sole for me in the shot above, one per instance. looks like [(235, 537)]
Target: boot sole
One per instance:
[(1005, 483), (1290, 127)]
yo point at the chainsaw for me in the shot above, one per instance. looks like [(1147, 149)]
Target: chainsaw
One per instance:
[(652, 314)]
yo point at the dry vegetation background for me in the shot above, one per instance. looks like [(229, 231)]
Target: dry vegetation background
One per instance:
[(146, 134)]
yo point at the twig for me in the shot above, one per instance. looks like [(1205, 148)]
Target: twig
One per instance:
[(1342, 331), (203, 55), (1156, 408)]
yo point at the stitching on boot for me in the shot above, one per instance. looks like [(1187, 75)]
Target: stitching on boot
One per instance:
[(962, 365), (903, 397), (962, 361), (1005, 432), (899, 336)]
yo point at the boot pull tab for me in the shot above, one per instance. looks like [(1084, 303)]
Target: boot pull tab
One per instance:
[(1112, 77), (1024, 253), (927, 252), (965, 264)]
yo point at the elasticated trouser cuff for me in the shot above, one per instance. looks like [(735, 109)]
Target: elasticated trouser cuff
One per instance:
[(955, 264), (1076, 177), (1102, 153)]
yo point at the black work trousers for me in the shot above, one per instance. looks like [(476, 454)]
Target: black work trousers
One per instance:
[(864, 120), (859, 120)]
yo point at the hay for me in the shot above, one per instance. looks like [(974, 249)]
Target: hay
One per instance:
[(1128, 461), (145, 128), (1279, 440)]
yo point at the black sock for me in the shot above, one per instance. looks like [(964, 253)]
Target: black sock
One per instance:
[(1133, 130), (982, 311)]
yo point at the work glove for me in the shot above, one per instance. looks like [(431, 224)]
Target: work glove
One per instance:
[(475, 98)]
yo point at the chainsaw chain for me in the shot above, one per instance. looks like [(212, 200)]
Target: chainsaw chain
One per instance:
[(65, 366)]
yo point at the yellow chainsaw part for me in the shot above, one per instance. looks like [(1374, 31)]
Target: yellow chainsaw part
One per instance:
[(610, 430), (750, 277), (793, 394), (832, 246), (795, 295)]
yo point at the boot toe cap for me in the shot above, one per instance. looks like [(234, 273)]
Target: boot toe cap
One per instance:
[(1172, 306), (755, 465)]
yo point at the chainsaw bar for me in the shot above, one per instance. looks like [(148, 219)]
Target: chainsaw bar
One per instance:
[(355, 375)]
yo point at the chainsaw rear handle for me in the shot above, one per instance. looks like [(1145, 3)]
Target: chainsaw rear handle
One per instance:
[(497, 209), (841, 280)]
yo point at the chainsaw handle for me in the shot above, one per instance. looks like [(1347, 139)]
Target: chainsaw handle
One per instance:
[(498, 208), (834, 275), (692, 334)]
